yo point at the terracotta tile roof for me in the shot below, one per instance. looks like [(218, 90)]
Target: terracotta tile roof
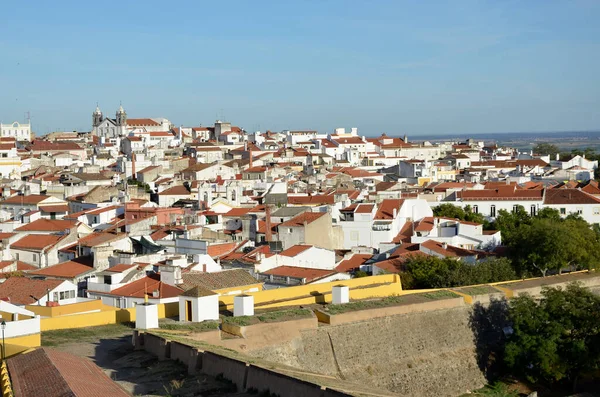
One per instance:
[(149, 168), (21, 266), (96, 239), (308, 274), (501, 193), (6, 235), (354, 140), (102, 209), (198, 292), (405, 234), (142, 123), (237, 212), (48, 225), (67, 270), (315, 200), (450, 251), (121, 267), (146, 287), (215, 250), (55, 208), (53, 373), (29, 199), (219, 280), (425, 225), (179, 190), (569, 196), (299, 220), (364, 209), (262, 227), (386, 208), (352, 263), (592, 188), (19, 290), (46, 146), (36, 242), (256, 169), (295, 250)]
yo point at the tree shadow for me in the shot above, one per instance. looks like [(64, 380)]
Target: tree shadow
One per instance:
[(489, 322)]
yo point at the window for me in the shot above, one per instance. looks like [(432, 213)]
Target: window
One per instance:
[(62, 295), (596, 210), (72, 294), (533, 210), (17, 257), (579, 210), (35, 257), (515, 208), (493, 211), (563, 211), (290, 229), (475, 209), (55, 295)]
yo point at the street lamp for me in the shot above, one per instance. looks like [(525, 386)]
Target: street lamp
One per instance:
[(3, 326)]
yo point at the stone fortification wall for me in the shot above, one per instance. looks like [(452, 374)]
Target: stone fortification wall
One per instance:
[(416, 354)]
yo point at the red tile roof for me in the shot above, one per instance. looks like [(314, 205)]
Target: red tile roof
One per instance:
[(121, 267), (237, 212), (53, 373), (300, 219), (352, 263), (569, 196), (179, 190), (19, 290), (501, 193), (145, 287), (48, 225), (55, 208), (36, 242), (215, 250), (312, 200), (295, 250), (386, 208), (66, 270), (29, 199), (425, 225), (142, 123), (364, 209), (308, 274)]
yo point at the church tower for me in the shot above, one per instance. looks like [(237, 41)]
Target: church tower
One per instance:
[(97, 117), (121, 117)]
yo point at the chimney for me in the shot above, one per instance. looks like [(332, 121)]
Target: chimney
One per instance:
[(250, 165), (268, 223), (133, 165), (395, 213), (445, 246)]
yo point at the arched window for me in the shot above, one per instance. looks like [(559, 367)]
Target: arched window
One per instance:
[(233, 195)]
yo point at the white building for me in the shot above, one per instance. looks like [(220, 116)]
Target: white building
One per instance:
[(21, 132)]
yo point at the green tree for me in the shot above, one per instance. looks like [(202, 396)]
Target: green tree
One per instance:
[(455, 212), (432, 272), (556, 338), (546, 149), (546, 244), (509, 223)]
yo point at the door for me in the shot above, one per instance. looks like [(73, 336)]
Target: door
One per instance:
[(188, 310)]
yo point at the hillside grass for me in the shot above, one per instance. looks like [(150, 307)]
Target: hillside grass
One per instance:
[(86, 334), (393, 300), (268, 317)]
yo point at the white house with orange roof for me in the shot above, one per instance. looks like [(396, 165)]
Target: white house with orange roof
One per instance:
[(301, 255), (462, 234), (391, 216)]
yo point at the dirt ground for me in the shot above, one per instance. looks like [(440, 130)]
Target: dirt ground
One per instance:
[(141, 374)]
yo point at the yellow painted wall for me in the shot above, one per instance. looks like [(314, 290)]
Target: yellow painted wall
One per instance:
[(320, 293), (63, 310), (108, 315), (20, 344)]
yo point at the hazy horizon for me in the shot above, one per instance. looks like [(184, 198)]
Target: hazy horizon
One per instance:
[(399, 67)]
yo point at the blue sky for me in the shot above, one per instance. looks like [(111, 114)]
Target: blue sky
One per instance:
[(414, 67)]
